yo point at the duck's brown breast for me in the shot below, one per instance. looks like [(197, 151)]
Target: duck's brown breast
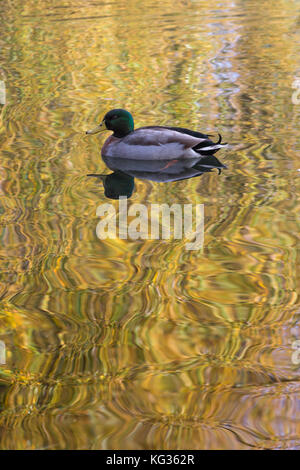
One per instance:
[(111, 139)]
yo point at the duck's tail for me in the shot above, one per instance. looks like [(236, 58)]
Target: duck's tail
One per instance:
[(208, 147)]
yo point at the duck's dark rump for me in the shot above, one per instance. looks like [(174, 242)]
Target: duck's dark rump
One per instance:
[(209, 147), (215, 146)]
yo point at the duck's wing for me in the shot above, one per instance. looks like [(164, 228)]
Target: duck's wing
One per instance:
[(186, 138), (183, 130), (207, 146), (159, 135)]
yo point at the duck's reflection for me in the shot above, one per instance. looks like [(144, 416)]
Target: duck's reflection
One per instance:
[(116, 184), (121, 181)]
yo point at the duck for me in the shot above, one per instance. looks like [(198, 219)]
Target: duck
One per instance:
[(166, 146)]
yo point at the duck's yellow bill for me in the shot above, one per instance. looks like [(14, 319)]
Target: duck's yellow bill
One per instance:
[(102, 127)]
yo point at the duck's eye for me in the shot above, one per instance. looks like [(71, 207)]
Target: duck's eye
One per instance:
[(115, 117)]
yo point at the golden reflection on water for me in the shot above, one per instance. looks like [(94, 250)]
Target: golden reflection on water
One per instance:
[(122, 344)]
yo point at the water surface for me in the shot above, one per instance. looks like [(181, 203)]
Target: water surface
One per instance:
[(123, 344)]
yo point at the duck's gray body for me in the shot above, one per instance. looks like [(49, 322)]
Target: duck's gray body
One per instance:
[(160, 143)]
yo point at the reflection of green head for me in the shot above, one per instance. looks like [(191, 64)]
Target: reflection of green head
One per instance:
[(118, 184)]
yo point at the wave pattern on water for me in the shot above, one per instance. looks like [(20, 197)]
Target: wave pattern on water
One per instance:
[(121, 344)]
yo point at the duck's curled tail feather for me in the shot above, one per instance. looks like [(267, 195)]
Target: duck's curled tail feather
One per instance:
[(208, 147)]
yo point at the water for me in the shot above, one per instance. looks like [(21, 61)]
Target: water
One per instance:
[(122, 344)]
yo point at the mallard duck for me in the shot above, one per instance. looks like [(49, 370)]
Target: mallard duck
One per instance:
[(168, 145)]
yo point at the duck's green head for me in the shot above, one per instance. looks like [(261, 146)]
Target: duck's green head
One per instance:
[(119, 121)]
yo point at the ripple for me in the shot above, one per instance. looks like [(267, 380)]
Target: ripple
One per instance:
[(140, 344)]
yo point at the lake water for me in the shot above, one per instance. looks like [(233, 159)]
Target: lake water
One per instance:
[(141, 344)]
